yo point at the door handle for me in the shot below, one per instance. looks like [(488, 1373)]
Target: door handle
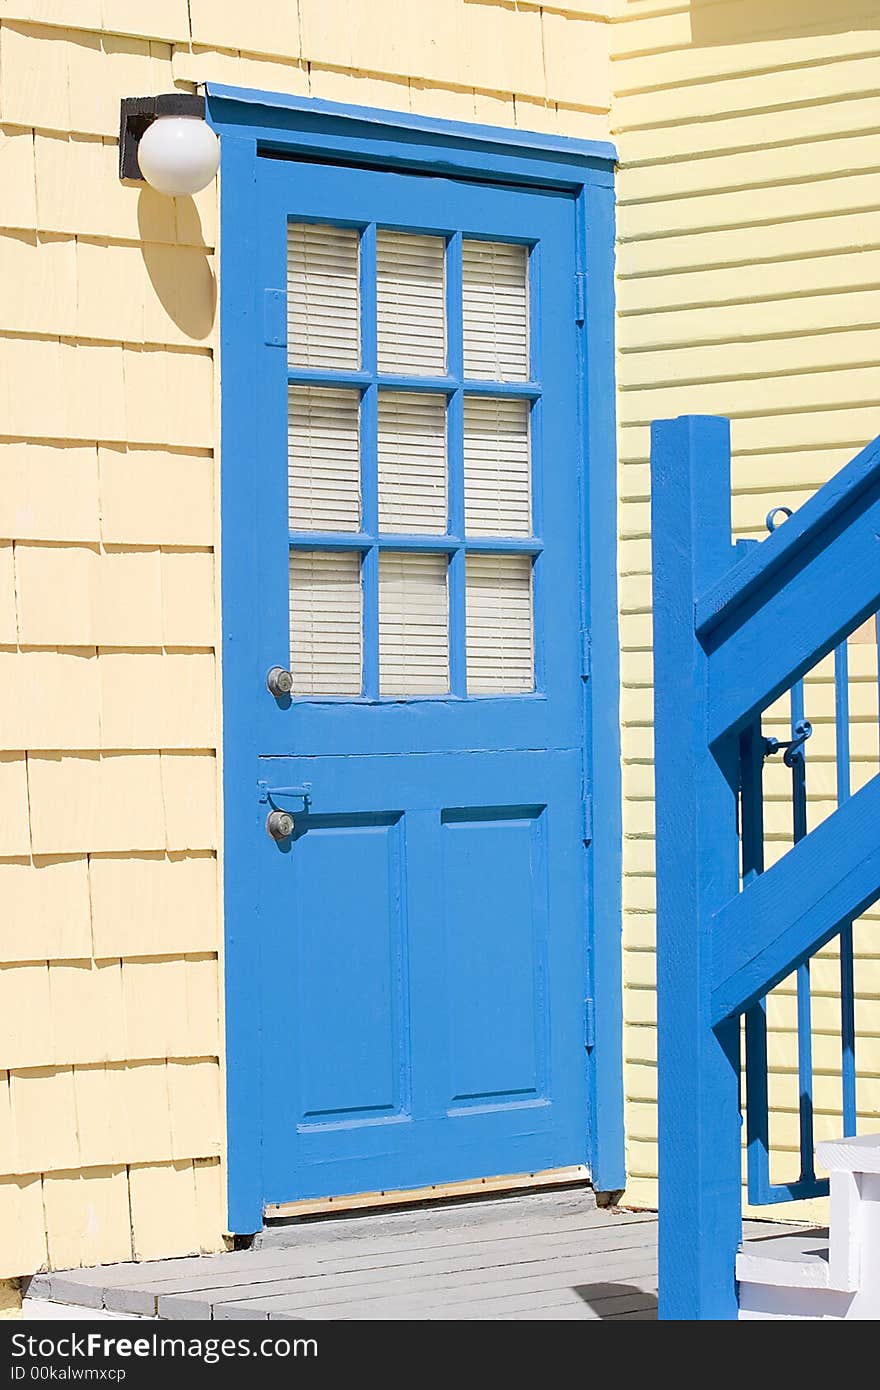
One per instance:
[(279, 682), (280, 825)]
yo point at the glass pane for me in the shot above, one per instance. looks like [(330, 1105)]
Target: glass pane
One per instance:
[(322, 297), (495, 305), (413, 624), (325, 622), (500, 641), (411, 290), (323, 459), (497, 471), (412, 462)]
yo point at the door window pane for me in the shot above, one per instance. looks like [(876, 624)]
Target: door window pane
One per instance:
[(497, 471), (322, 297), (411, 307), (412, 462), (323, 459), (325, 622), (413, 624), (500, 643), (495, 310)]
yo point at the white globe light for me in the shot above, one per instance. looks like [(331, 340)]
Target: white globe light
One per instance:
[(178, 155)]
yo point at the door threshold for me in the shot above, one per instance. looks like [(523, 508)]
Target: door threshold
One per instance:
[(436, 1192)]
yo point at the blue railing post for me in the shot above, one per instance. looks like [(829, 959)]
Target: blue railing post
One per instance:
[(697, 873)]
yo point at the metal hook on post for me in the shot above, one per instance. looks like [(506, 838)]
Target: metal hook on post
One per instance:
[(794, 746)]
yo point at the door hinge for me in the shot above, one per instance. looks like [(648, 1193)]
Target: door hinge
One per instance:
[(589, 1023), (275, 318), (586, 654), (587, 826), (580, 296)]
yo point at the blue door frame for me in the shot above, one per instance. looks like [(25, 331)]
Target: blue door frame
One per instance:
[(254, 123)]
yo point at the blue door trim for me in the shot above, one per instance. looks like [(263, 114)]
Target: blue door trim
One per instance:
[(251, 123)]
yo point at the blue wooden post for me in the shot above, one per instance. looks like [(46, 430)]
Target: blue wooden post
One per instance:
[(697, 873)]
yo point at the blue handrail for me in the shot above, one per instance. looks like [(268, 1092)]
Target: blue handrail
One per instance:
[(734, 629)]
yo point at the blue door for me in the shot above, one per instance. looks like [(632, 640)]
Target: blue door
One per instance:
[(420, 934)]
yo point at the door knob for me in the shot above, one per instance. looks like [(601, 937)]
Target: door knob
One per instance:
[(280, 825), (279, 682)]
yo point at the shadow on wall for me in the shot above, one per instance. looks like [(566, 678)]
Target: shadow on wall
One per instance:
[(753, 21), (180, 271)]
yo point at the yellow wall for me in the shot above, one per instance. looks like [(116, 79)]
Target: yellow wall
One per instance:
[(111, 1129), (749, 225), (747, 136)]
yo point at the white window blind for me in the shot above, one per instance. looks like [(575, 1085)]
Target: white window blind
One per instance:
[(413, 624), (412, 462), (497, 472), (495, 311), (411, 308), (323, 459), (325, 622), (500, 642), (323, 329)]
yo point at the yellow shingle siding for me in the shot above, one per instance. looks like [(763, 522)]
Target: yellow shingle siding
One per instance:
[(111, 1128), (747, 266)]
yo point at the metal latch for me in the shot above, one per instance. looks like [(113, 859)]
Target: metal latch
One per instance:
[(793, 747), (281, 823)]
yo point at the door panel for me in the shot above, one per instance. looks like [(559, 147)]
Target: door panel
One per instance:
[(350, 942), (422, 933), (495, 926)]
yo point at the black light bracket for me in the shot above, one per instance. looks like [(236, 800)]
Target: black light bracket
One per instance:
[(137, 113)]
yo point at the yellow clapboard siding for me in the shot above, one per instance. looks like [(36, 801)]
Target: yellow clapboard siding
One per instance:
[(773, 91), (22, 1221), (694, 62), (767, 279), (46, 910), (854, 426), (763, 320), (832, 389), (49, 492), (87, 1216), (8, 619), (189, 788), (166, 19), (753, 168), (90, 801), (741, 207), (835, 234), (14, 822), (62, 390), (39, 280), (155, 700), (748, 269), (78, 192), (671, 366), (53, 699), (141, 294), (164, 1219), (82, 1012), (55, 79), (188, 599), (778, 131), (270, 27), (151, 905), (114, 598), (232, 68), (154, 497)]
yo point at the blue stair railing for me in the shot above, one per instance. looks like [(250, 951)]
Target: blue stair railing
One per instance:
[(736, 628)]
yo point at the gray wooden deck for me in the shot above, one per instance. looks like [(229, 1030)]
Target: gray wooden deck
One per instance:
[(545, 1256)]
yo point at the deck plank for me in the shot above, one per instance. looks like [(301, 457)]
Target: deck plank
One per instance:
[(543, 1257)]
